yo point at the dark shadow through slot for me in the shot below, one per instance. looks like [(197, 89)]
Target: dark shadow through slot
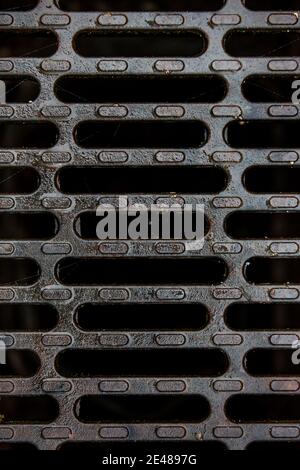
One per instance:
[(28, 43), (27, 317), (18, 5), (140, 43), (28, 225), (141, 134), (262, 42), (142, 408), (142, 180), (274, 316), (260, 270), (274, 445), (140, 89), (273, 134), (269, 5), (21, 88), (263, 408), (19, 271), (263, 362), (141, 271), (20, 363), (272, 179), (141, 363), (264, 225), (141, 448), (18, 180), (17, 446), (269, 88), (140, 5), (141, 317), (36, 409), (28, 134)]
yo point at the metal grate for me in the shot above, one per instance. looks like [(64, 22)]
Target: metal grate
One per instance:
[(143, 341)]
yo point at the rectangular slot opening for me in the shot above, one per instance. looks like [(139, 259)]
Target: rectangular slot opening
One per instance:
[(274, 445), (265, 362), (20, 363), (260, 270), (141, 271), (141, 363), (18, 5), (141, 180), (85, 225), (17, 446), (139, 43), (270, 5), (264, 225), (20, 88), (141, 448), (141, 134), (28, 43), (28, 226), (28, 134), (19, 271), (140, 89), (263, 408), (272, 134), (27, 317), (272, 179), (274, 316), (140, 5), (142, 408), (141, 317), (262, 42), (269, 88), (28, 409), (18, 180)]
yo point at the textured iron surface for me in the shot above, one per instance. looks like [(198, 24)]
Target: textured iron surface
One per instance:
[(66, 335)]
